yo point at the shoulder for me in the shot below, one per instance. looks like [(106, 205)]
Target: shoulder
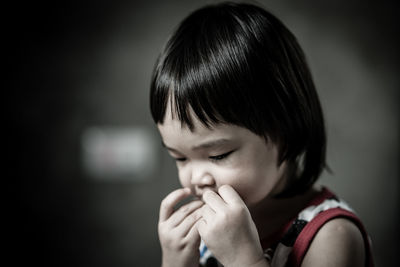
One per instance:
[(339, 242)]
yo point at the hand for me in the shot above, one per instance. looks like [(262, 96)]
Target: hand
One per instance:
[(178, 234), (228, 230)]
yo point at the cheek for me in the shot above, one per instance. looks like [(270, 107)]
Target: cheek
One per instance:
[(253, 183), (241, 179), (184, 177)]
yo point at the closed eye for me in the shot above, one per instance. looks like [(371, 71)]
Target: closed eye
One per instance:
[(220, 157)]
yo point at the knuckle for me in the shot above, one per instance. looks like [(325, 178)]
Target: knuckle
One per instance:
[(176, 244), (181, 244), (185, 208), (162, 228), (164, 203), (198, 213), (208, 193), (224, 216), (192, 218), (240, 210)]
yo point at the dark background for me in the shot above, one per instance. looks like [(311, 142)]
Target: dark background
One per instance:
[(71, 65)]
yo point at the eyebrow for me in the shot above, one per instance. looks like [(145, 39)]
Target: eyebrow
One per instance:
[(207, 144), (212, 143)]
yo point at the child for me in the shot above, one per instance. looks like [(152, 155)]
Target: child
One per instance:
[(236, 107)]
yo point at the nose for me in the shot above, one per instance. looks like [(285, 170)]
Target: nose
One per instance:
[(201, 178)]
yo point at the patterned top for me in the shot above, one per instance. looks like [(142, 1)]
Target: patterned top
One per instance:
[(292, 247)]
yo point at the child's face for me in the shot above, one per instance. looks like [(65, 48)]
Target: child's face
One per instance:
[(225, 154)]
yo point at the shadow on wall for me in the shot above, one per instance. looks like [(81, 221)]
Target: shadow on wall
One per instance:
[(88, 169)]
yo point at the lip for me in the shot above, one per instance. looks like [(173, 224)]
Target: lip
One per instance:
[(196, 193), (199, 192)]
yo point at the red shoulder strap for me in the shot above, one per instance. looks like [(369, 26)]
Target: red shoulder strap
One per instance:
[(306, 236)]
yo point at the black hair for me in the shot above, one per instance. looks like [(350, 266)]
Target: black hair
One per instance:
[(238, 64)]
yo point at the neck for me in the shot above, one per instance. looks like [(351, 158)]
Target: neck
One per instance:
[(271, 214)]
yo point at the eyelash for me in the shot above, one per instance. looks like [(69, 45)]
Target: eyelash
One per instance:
[(212, 158), (220, 157)]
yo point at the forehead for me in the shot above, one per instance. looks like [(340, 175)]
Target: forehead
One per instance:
[(172, 129)]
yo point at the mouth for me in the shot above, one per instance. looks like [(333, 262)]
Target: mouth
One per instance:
[(198, 193)]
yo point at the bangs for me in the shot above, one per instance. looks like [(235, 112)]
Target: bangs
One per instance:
[(206, 73)]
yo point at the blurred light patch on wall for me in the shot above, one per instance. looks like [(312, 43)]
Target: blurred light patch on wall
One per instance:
[(119, 153)]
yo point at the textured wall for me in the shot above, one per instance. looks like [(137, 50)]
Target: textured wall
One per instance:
[(84, 64)]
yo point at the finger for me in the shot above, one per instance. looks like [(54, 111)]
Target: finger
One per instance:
[(188, 223), (229, 195), (213, 200), (207, 213), (193, 234), (168, 203), (178, 216), (201, 226)]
